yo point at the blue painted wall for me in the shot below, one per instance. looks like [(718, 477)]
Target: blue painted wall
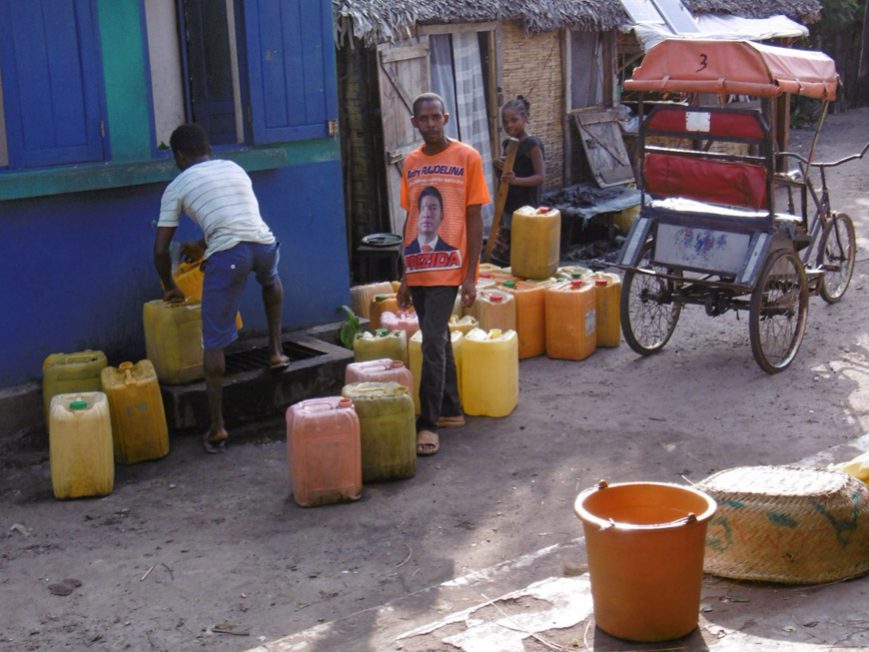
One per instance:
[(76, 240), (78, 266)]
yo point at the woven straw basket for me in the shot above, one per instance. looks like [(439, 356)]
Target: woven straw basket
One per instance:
[(787, 524)]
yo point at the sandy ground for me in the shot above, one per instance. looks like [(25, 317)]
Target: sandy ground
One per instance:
[(194, 541)]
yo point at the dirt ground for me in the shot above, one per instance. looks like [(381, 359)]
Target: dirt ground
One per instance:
[(195, 541)]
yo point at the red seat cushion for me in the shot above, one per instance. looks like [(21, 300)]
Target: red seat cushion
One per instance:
[(731, 183)]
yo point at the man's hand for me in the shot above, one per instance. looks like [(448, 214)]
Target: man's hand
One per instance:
[(192, 251), (469, 292), (173, 294), (403, 295)]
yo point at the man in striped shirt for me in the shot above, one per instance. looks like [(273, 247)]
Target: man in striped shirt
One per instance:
[(218, 196)]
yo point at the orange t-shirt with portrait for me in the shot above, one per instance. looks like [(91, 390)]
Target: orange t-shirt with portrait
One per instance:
[(454, 178)]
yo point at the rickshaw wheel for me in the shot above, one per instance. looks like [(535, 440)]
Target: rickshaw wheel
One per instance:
[(779, 306), (836, 257), (648, 312)]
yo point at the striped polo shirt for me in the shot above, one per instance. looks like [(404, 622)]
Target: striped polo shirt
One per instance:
[(218, 196)]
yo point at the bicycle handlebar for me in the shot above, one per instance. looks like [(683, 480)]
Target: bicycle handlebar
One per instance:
[(825, 164)]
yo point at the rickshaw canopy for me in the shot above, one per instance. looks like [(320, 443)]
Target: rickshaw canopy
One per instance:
[(734, 67)]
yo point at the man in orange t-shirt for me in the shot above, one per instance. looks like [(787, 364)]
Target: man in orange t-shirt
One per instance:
[(442, 190)]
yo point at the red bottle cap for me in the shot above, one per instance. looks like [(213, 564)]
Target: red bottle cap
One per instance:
[(496, 298), (601, 281), (576, 283)]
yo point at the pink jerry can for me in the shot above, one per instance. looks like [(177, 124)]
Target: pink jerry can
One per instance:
[(324, 451), (403, 320), (382, 370)]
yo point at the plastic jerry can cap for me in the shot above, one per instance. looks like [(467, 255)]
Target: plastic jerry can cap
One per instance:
[(496, 298), (381, 332), (78, 404), (543, 210), (345, 402), (509, 284), (576, 275), (601, 281), (379, 297), (576, 283)]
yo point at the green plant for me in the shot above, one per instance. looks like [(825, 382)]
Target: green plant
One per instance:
[(349, 327)]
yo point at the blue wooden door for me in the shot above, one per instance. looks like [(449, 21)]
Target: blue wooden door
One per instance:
[(291, 66), (52, 82)]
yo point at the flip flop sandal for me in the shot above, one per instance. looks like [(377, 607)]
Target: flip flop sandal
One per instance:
[(427, 443), (283, 364), (213, 445)]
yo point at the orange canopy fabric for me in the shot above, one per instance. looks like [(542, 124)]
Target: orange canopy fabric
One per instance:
[(738, 67)]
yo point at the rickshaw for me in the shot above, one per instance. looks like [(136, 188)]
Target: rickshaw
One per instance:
[(709, 231)]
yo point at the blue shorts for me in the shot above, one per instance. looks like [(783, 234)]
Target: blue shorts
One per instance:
[(226, 274)]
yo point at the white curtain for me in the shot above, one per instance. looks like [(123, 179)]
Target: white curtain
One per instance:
[(586, 50), (473, 122), (442, 81)]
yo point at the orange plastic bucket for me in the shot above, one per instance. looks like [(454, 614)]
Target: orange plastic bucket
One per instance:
[(645, 543)]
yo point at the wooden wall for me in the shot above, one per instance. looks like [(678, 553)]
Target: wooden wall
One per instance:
[(361, 142)]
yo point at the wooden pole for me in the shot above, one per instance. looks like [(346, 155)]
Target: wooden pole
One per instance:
[(501, 199)]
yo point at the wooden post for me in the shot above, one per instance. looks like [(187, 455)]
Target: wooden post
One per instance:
[(501, 199)]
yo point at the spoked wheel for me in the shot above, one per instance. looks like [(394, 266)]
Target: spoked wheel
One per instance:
[(648, 312), (836, 257), (779, 306)]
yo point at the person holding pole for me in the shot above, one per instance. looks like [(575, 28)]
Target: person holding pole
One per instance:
[(525, 179)]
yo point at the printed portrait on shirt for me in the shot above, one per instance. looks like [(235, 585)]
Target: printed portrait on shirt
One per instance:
[(430, 215), (435, 234)]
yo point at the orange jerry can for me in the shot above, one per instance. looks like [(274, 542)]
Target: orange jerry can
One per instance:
[(380, 303), (571, 323), (608, 292), (324, 451), (530, 317), (139, 430)]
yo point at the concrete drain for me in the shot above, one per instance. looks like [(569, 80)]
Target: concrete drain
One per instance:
[(252, 391), (258, 358)]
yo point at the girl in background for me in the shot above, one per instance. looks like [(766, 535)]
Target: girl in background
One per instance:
[(525, 179)]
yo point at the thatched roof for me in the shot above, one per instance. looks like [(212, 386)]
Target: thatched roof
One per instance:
[(383, 21), (804, 11)]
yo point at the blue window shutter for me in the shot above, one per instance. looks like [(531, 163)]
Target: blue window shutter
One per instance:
[(291, 68), (52, 82), (209, 66)]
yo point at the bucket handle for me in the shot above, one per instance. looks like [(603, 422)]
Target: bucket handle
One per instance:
[(691, 517), (685, 520)]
